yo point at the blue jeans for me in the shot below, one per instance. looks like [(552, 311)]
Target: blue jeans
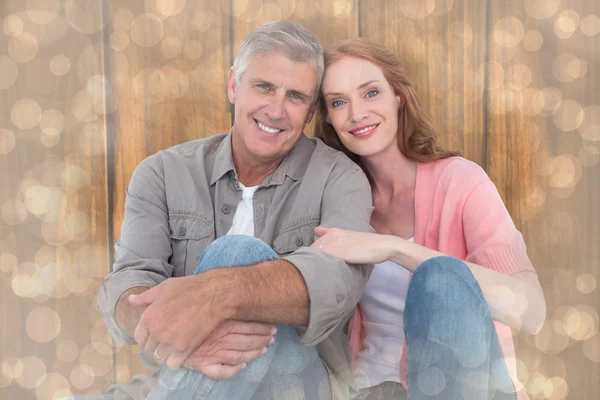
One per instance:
[(453, 348), (289, 370)]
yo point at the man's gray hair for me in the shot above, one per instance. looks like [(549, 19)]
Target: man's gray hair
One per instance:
[(288, 38)]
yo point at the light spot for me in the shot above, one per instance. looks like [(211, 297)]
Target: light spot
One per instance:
[(12, 25), (122, 19), (60, 65), (43, 324), (119, 40), (569, 116), (541, 9), (13, 212), (147, 30), (7, 141), (54, 387), (508, 32), (533, 40), (30, 372), (42, 11), (590, 25), (431, 381), (8, 72)]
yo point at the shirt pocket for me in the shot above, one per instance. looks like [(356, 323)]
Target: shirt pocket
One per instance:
[(294, 237), (189, 238)]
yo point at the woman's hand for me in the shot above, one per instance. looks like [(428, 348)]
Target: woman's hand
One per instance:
[(351, 246)]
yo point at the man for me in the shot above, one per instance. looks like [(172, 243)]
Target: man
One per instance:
[(215, 244)]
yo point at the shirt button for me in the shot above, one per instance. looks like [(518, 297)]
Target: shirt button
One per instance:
[(182, 231), (225, 209), (299, 241)]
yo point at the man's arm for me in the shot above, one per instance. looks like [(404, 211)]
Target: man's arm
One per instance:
[(310, 289), (127, 314), (142, 251)]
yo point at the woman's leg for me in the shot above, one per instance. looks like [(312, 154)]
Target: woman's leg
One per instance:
[(453, 347), (287, 366)]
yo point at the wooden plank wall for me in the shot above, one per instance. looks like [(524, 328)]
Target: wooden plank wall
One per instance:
[(88, 89)]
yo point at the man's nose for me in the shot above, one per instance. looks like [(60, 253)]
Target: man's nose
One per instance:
[(276, 107)]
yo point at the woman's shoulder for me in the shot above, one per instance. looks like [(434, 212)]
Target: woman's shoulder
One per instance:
[(456, 173)]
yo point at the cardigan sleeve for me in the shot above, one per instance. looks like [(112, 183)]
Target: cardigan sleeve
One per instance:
[(491, 237)]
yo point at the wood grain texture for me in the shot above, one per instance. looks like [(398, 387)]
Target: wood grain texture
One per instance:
[(54, 242), (544, 172)]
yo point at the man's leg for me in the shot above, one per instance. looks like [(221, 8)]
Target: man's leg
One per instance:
[(453, 347), (289, 370)]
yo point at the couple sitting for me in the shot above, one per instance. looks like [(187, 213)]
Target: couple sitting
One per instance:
[(367, 263)]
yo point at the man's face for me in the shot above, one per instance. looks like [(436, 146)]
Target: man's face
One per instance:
[(273, 101)]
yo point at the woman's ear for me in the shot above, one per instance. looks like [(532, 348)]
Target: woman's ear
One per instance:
[(327, 119), (399, 101)]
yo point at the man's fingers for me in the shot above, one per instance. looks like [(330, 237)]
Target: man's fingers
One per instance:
[(237, 342), (219, 371), (145, 298), (140, 335), (252, 328), (175, 360), (224, 357)]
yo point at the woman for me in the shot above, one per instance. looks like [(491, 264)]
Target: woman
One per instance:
[(452, 274)]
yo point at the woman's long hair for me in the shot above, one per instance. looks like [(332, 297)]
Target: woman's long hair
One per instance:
[(417, 137)]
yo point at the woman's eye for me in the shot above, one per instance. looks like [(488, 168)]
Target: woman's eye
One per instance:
[(337, 103), (372, 93)]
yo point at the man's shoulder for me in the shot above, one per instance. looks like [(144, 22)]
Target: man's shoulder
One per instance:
[(337, 159), (206, 145)]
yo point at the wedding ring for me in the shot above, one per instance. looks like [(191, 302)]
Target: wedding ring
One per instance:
[(320, 246), (157, 356)]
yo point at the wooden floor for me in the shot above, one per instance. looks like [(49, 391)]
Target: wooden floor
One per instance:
[(90, 88)]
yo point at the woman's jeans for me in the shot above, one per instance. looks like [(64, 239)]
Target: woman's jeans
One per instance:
[(289, 370), (453, 348)]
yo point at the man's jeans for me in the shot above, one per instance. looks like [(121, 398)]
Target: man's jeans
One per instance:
[(289, 370)]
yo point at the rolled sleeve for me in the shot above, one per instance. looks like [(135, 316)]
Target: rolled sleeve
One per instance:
[(495, 244), (144, 247), (335, 287)]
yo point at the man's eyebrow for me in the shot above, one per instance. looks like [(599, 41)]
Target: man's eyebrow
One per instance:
[(361, 86), (254, 81)]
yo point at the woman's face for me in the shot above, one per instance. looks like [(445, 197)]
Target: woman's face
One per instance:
[(361, 106)]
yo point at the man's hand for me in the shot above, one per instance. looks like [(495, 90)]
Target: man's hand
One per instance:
[(229, 347), (181, 313)]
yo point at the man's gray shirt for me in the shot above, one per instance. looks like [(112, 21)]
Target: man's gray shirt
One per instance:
[(181, 199)]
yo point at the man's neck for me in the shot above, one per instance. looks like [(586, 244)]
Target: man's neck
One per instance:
[(253, 174)]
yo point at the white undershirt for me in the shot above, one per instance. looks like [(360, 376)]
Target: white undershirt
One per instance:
[(382, 306), (243, 220)]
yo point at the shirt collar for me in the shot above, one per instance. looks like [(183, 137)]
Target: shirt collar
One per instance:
[(293, 164)]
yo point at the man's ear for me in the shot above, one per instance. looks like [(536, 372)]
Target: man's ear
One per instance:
[(231, 85)]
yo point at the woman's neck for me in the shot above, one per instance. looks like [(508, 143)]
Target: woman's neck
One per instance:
[(391, 172)]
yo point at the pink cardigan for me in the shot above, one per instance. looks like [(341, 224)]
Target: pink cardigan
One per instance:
[(459, 212)]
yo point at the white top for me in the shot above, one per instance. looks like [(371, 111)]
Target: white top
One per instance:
[(243, 220), (382, 306)]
